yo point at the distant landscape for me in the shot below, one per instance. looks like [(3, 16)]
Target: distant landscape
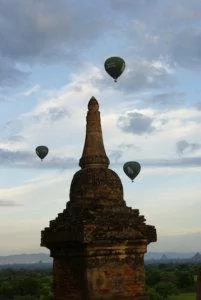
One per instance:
[(30, 276), (169, 275), (151, 257)]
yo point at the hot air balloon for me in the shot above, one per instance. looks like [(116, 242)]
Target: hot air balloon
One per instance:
[(42, 151), (132, 169), (114, 66)]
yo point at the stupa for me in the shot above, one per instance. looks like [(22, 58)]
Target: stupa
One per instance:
[(97, 242)]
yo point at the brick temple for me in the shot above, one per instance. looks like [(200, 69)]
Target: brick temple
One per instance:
[(97, 242)]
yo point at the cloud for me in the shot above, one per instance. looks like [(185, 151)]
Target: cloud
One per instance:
[(3, 98), (31, 90), (17, 130), (185, 162), (13, 127), (198, 106), (185, 147), (186, 48), (46, 30), (161, 102), (170, 100), (160, 129), (28, 160), (7, 203), (178, 33), (136, 123), (16, 138), (68, 32), (52, 114), (141, 74), (10, 75), (132, 6), (115, 155), (144, 74), (174, 34), (127, 146), (47, 33), (174, 164), (186, 11)]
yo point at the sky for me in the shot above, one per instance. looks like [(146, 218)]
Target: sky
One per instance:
[(52, 57)]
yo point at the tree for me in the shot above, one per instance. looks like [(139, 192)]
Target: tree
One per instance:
[(153, 295), (7, 290), (166, 289), (185, 280), (28, 286), (153, 277)]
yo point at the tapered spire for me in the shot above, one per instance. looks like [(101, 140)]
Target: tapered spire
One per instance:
[(94, 152)]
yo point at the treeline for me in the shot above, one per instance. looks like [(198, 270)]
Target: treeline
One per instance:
[(162, 281), (24, 284)]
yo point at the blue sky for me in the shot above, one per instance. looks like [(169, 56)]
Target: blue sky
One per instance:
[(52, 57)]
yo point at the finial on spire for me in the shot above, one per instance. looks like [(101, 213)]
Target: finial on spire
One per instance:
[(93, 104), (94, 152)]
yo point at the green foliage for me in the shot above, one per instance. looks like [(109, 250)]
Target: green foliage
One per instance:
[(28, 286), (163, 282), (153, 295), (153, 277), (25, 284), (185, 280), (167, 280), (166, 289)]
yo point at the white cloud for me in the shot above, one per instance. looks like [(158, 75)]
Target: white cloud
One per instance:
[(68, 129), (31, 90)]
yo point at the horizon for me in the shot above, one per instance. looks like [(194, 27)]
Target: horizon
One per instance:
[(46, 252), (185, 254), (52, 62)]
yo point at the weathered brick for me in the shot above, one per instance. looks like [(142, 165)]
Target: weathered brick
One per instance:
[(97, 243)]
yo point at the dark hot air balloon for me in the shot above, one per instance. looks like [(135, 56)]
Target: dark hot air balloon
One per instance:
[(114, 66), (42, 151), (132, 169)]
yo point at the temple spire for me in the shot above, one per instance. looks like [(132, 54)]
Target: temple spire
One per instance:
[(94, 152)]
